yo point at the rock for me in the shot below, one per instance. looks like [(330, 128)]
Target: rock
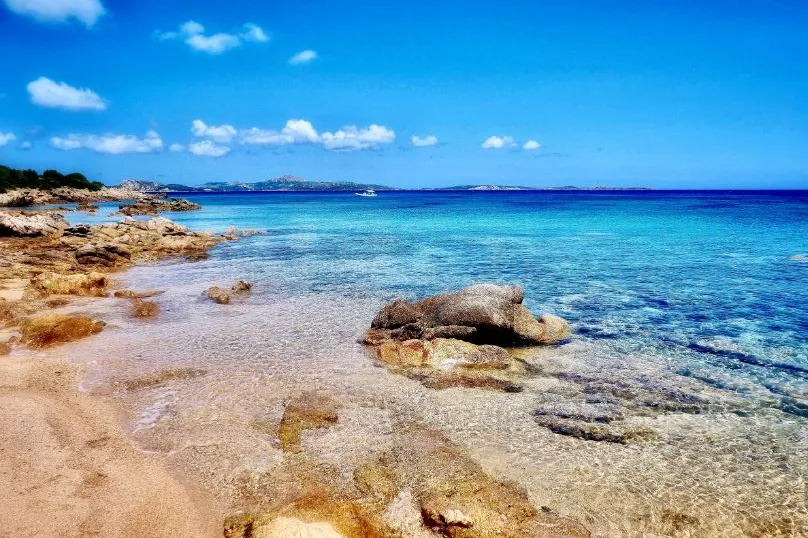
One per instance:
[(398, 313), (145, 309), (31, 224), (51, 329), (218, 295), (5, 348), (61, 195), (242, 288), (483, 314), (308, 411), (152, 206), (130, 294), (106, 254), (92, 283)]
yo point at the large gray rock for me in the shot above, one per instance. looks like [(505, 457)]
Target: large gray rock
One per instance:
[(483, 314), (31, 224)]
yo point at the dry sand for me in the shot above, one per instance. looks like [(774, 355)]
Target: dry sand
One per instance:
[(68, 469)]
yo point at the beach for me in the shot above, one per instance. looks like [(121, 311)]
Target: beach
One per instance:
[(197, 402)]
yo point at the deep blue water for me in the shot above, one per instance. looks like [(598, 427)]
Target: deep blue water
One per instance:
[(715, 281)]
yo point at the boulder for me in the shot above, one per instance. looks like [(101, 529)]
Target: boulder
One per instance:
[(152, 206), (51, 329), (218, 295), (31, 224), (144, 309), (483, 313), (92, 283)]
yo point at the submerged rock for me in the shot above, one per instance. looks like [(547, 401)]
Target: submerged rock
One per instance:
[(145, 309), (242, 288), (218, 295), (50, 329), (308, 411)]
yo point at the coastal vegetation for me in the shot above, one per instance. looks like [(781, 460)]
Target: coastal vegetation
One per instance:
[(11, 178)]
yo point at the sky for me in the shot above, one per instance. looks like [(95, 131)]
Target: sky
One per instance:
[(668, 94)]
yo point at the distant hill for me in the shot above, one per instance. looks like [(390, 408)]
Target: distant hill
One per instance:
[(282, 183)]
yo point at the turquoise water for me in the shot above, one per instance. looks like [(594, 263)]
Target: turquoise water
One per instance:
[(709, 277), (694, 303)]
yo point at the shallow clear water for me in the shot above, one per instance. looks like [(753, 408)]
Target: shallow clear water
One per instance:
[(696, 297)]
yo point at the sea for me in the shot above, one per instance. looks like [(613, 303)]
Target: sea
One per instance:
[(688, 308)]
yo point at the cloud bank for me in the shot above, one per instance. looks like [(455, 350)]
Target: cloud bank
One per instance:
[(193, 34), (114, 144), (47, 93), (295, 131), (85, 11)]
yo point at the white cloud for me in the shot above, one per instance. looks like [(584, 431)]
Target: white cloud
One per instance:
[(5, 138), (207, 148), (193, 34), (531, 145), (222, 133), (497, 142), (176, 147), (215, 44), (47, 93), (86, 11), (25, 145), (253, 32), (303, 57), (110, 143), (421, 142), (351, 138), (294, 132)]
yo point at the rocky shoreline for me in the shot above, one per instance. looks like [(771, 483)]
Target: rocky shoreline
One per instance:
[(46, 264), (68, 195)]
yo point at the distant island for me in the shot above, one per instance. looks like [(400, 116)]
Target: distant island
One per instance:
[(282, 183), (294, 183)]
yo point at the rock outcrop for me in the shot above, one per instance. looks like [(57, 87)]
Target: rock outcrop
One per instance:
[(219, 295), (62, 195), (152, 206), (483, 313), (459, 339), (29, 224)]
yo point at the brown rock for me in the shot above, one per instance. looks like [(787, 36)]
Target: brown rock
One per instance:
[(51, 329), (218, 295), (482, 314), (92, 283), (130, 294), (5, 348), (145, 309), (242, 287), (307, 411)]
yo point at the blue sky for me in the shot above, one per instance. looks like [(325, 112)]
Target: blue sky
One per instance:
[(664, 94)]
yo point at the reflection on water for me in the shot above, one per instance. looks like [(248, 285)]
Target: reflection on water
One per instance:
[(690, 320)]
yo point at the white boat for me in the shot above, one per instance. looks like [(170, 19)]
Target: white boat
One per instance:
[(368, 192)]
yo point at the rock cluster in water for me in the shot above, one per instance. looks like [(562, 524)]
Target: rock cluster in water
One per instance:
[(51, 261), (218, 295), (153, 206), (459, 339)]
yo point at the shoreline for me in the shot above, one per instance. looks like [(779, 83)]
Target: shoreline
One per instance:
[(307, 428), (72, 469)]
